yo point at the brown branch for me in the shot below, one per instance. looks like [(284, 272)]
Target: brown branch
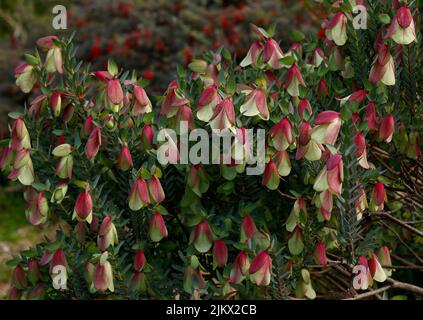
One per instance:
[(399, 222)]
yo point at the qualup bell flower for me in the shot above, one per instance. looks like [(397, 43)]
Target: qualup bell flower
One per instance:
[(20, 136), (103, 275), (93, 144), (385, 259), (202, 237), (18, 278), (155, 189), (139, 196), (207, 103), (383, 68), (378, 197), (139, 260), (124, 162), (23, 170), (308, 147), (303, 105), (157, 229), (318, 57), (328, 124), (255, 104), (36, 207), (83, 210), (402, 29), (220, 254), (239, 268), (336, 29), (223, 116), (293, 80), (281, 135), (33, 274), (172, 100), (361, 204), (360, 150), (114, 95), (248, 228), (59, 193), (147, 137), (261, 269), (387, 128), (331, 176), (271, 176), (56, 103), (54, 61), (272, 53), (365, 280), (25, 77), (142, 103), (107, 235), (294, 216), (320, 253), (376, 269), (252, 55)]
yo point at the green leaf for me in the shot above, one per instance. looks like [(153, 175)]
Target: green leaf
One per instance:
[(384, 18), (15, 114), (296, 244), (296, 35), (112, 67)]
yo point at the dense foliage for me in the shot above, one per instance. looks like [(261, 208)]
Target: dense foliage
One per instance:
[(341, 187)]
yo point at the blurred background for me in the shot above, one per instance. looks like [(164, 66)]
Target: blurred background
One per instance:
[(149, 36)]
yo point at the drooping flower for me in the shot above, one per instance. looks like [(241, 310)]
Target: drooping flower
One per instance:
[(124, 162), (293, 80), (322, 90), (36, 207), (157, 229), (239, 268), (139, 260), (207, 103), (20, 136), (56, 103), (383, 68), (387, 128), (33, 273), (202, 237), (54, 61), (303, 105), (193, 279), (370, 115), (93, 144), (308, 147), (107, 235), (223, 116), (360, 150), (336, 29), (281, 134), (147, 137), (294, 215), (272, 53), (378, 197), (402, 29), (361, 204), (271, 176), (385, 259), (320, 253), (142, 103), (252, 55), (25, 77), (102, 278), (255, 104), (18, 278), (248, 228), (83, 210), (220, 253), (318, 57), (375, 268), (283, 162), (260, 269), (59, 193), (331, 176), (328, 124), (155, 189), (114, 94), (139, 196)]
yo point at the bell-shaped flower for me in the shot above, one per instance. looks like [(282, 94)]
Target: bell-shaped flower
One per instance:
[(294, 215), (328, 124), (283, 162), (197, 180), (308, 147), (207, 103), (336, 29), (18, 278), (59, 193), (124, 162), (271, 176), (261, 269), (202, 237), (107, 235), (378, 197), (114, 95), (322, 90), (272, 53), (402, 29), (383, 68), (248, 228), (102, 279), (54, 60), (20, 136), (252, 55), (220, 254), (281, 135), (139, 196), (331, 176), (364, 279), (157, 228), (172, 100), (142, 103), (318, 57), (239, 268), (139, 260), (93, 144), (255, 104), (147, 137), (223, 116), (387, 128), (193, 279), (155, 189), (376, 269), (303, 105), (320, 253), (25, 77), (361, 204), (385, 259), (360, 150), (36, 207), (83, 210), (370, 115), (33, 274), (293, 81)]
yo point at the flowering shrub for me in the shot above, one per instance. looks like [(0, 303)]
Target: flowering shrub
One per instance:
[(341, 116)]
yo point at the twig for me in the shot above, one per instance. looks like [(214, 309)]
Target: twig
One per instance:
[(399, 222)]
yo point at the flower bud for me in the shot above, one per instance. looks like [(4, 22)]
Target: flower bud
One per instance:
[(138, 196), (139, 260), (20, 136), (385, 259), (138, 283), (248, 228), (157, 229), (59, 193), (220, 254), (103, 275), (402, 29), (239, 268), (202, 237), (114, 94), (37, 293), (387, 128), (93, 143), (83, 210), (155, 189), (320, 253), (261, 269), (56, 103), (18, 278), (142, 104), (37, 209), (193, 280), (147, 137), (124, 162), (304, 105), (378, 197), (14, 294), (107, 235), (33, 274)]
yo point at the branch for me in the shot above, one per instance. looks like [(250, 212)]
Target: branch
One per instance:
[(399, 222)]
